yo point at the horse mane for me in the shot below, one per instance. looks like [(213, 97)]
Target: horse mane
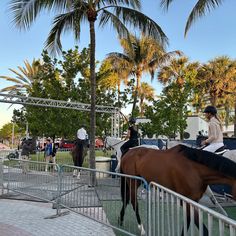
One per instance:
[(211, 160)]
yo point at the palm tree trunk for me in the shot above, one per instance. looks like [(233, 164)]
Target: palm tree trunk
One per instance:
[(141, 106), (136, 94), (93, 97), (118, 90), (135, 101)]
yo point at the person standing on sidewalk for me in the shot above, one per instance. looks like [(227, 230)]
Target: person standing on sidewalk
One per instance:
[(48, 152), (26, 148)]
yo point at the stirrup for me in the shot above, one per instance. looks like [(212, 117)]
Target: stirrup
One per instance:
[(221, 150)]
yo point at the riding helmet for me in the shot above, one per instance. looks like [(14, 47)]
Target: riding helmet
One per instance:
[(132, 120), (210, 109)]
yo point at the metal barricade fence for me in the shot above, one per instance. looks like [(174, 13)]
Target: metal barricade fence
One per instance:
[(37, 180), (101, 200), (162, 211), (168, 215)]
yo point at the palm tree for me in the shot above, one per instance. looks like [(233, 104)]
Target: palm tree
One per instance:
[(23, 78), (118, 74), (146, 92), (200, 9), (181, 72), (71, 14), (176, 70), (217, 75), (142, 55)]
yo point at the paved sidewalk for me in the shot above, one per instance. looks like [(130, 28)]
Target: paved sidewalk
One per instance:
[(24, 218)]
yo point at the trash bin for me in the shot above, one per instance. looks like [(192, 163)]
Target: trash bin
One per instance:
[(114, 163)]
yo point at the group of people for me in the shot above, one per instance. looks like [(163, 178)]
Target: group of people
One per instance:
[(213, 143)]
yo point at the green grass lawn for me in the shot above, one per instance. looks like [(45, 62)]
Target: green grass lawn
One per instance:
[(112, 210), (64, 157)]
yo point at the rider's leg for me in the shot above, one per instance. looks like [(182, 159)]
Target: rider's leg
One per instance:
[(125, 147), (213, 147)]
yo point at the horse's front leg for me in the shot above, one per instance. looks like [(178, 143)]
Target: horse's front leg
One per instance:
[(118, 156), (118, 167), (196, 221)]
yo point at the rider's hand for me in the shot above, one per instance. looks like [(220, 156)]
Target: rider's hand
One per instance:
[(203, 143)]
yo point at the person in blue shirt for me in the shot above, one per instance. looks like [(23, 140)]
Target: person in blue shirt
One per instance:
[(48, 152)]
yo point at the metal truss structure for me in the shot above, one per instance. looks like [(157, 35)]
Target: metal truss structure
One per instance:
[(43, 102)]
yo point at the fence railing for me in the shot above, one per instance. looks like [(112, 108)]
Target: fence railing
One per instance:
[(96, 194), (168, 215), (99, 200)]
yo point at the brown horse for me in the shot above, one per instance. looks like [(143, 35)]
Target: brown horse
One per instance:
[(182, 169), (78, 154)]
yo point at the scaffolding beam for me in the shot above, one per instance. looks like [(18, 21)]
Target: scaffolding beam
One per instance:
[(44, 102)]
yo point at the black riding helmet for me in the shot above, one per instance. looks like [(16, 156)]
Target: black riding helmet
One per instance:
[(210, 109), (132, 120)]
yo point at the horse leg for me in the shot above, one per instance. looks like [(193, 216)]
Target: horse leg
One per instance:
[(196, 221), (79, 157), (118, 156), (125, 196), (134, 201)]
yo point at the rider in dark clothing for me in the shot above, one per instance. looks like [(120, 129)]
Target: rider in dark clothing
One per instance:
[(132, 136)]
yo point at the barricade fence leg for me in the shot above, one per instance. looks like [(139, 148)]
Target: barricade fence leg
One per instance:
[(1, 176), (59, 190)]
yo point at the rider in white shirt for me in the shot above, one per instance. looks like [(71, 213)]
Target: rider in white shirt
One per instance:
[(215, 135), (82, 133)]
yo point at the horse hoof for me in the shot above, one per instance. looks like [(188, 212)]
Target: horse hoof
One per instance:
[(141, 228), (78, 176)]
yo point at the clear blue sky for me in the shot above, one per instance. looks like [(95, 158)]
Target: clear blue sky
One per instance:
[(211, 36)]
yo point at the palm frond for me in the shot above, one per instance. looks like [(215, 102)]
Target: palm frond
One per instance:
[(12, 88), (117, 56), (25, 74), (165, 4), (60, 5), (199, 10), (63, 23), (134, 3), (11, 79), (26, 11), (107, 16), (140, 21), (19, 75)]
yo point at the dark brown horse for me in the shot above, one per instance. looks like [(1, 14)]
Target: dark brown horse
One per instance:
[(182, 169), (78, 154)]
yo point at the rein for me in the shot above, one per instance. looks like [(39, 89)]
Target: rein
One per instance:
[(112, 146)]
